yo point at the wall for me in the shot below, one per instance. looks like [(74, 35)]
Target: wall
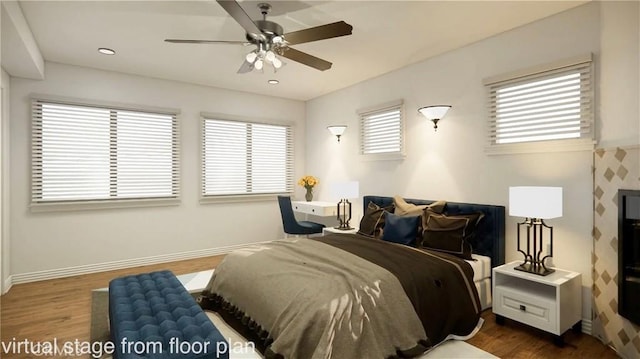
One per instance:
[(619, 74), (616, 166), (450, 163), (5, 245), (90, 240), (5, 239)]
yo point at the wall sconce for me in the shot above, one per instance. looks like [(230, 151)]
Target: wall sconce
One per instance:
[(434, 113), (337, 130)]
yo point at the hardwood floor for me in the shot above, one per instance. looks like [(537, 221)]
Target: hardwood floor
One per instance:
[(61, 308), (515, 340)]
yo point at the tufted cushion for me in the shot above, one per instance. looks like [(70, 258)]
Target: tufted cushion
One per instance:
[(154, 316)]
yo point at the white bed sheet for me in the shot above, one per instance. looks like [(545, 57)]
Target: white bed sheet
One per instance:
[(482, 278), (481, 267), (484, 292)]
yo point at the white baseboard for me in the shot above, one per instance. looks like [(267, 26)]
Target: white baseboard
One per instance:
[(6, 284), (127, 263)]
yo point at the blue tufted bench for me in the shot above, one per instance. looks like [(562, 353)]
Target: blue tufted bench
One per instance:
[(153, 316)]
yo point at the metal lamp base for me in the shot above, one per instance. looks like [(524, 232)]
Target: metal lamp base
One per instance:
[(343, 228), (535, 268), (533, 256)]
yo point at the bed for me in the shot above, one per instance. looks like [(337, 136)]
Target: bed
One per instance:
[(354, 295), (488, 251)]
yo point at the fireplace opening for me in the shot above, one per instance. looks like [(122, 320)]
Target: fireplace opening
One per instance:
[(629, 254)]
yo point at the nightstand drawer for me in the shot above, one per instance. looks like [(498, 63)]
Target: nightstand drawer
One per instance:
[(537, 311)]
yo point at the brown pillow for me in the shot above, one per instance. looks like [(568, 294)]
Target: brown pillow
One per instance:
[(373, 220), (452, 234), (409, 209)]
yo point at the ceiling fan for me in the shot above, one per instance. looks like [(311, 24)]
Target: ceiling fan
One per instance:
[(270, 39)]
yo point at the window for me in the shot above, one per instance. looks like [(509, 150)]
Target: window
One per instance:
[(550, 103), (92, 153), (245, 158), (382, 131)]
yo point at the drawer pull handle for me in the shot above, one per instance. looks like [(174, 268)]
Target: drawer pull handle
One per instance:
[(523, 308)]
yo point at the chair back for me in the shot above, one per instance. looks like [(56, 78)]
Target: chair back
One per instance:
[(289, 222)]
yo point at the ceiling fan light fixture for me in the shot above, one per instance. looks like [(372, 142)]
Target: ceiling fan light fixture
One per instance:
[(270, 56), (271, 41), (277, 63), (251, 57)]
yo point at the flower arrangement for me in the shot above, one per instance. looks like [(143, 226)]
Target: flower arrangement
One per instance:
[(308, 182)]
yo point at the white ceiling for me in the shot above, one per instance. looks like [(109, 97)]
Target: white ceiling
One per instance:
[(387, 35)]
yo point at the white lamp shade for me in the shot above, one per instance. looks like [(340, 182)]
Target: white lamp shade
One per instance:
[(535, 202), (340, 190), (337, 130), (434, 112)]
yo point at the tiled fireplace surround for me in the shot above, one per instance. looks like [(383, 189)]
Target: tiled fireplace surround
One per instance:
[(613, 169)]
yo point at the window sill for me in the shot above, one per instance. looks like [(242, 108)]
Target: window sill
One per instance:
[(106, 204), (241, 198), (541, 147), (383, 157)]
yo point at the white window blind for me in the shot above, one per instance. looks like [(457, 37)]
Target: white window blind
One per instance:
[(382, 130), (245, 158), (554, 104), (88, 153)]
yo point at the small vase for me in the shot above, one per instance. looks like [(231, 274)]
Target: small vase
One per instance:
[(309, 195)]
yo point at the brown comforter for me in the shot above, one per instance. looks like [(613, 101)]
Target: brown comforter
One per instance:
[(343, 296)]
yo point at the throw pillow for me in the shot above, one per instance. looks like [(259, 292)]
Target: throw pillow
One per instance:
[(403, 208), (450, 233), (372, 221), (400, 229)]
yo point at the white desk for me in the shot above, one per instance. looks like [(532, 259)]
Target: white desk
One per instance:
[(316, 208)]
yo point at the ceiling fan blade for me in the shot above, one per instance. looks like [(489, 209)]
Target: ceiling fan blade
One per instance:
[(237, 13), (322, 32), (306, 59), (179, 41), (246, 67)]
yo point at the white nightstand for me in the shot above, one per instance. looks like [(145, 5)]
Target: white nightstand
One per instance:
[(327, 230), (552, 303)]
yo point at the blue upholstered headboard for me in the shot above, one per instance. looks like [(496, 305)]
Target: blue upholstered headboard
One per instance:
[(490, 232)]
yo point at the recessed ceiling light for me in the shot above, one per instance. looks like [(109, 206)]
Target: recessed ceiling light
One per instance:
[(106, 51), (273, 82)]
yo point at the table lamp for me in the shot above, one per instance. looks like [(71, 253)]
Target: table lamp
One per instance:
[(344, 191), (535, 204)]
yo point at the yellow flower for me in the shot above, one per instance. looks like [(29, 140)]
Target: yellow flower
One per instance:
[(308, 182)]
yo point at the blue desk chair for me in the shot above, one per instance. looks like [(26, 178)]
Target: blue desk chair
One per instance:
[(293, 226)]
